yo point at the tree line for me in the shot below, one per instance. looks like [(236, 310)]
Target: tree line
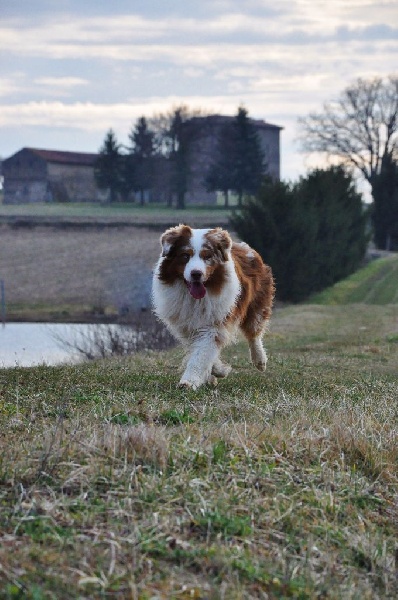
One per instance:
[(359, 129), (312, 232), (316, 231), (162, 146)]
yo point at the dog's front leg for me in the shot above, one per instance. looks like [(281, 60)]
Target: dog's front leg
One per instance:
[(203, 351)]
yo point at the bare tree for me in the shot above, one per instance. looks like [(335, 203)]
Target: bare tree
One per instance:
[(141, 332), (173, 136), (360, 128)]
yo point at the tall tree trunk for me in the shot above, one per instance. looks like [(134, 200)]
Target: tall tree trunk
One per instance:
[(180, 200), (226, 198)]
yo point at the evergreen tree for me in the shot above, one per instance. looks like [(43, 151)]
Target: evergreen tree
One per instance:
[(178, 157), (239, 160), (108, 168), (311, 233), (248, 161), (182, 133), (385, 205), (341, 223), (175, 132), (283, 231), (141, 157), (219, 175)]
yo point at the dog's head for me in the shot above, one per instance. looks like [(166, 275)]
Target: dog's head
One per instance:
[(195, 256)]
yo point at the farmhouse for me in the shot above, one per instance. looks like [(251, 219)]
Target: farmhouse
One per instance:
[(34, 175)]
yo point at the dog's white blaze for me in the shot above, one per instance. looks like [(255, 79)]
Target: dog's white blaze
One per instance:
[(196, 263)]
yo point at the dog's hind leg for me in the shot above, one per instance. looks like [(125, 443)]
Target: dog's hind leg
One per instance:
[(257, 353), (253, 329)]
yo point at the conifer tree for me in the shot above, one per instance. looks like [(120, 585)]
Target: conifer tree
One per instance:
[(385, 205), (248, 164), (239, 163), (219, 175), (311, 233), (108, 168), (141, 155)]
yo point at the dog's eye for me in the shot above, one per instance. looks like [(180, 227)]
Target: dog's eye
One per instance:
[(185, 256)]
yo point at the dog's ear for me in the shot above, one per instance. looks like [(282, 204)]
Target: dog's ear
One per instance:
[(170, 237), (221, 241)]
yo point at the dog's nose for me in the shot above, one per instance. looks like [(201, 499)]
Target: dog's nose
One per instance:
[(196, 275)]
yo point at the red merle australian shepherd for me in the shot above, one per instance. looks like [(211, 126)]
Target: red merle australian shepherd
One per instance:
[(205, 288)]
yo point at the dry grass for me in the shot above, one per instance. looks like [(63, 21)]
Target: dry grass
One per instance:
[(115, 484), (66, 272)]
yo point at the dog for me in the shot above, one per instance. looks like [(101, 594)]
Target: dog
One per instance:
[(205, 288)]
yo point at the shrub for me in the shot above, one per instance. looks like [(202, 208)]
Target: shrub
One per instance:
[(311, 233)]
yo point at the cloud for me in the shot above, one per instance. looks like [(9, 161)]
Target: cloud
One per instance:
[(88, 66), (133, 37), (9, 85), (60, 82)]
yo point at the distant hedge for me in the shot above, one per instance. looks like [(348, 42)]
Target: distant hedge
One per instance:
[(312, 233)]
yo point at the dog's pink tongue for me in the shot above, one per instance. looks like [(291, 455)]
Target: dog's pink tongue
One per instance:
[(197, 290)]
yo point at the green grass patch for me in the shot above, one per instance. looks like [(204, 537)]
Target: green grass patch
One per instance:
[(129, 212), (376, 283)]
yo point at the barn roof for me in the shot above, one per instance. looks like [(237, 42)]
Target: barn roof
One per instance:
[(65, 158)]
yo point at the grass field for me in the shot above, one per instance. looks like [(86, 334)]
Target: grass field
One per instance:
[(154, 214), (284, 485), (53, 274)]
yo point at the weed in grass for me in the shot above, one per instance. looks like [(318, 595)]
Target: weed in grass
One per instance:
[(220, 452), (174, 417), (216, 522), (125, 419)]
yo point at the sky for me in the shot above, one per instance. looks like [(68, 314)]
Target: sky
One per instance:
[(70, 70)]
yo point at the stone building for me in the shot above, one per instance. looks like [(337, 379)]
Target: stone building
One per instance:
[(205, 145), (33, 175)]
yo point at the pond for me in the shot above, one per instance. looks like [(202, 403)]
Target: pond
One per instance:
[(30, 344)]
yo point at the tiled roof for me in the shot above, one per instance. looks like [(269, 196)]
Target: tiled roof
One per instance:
[(65, 158)]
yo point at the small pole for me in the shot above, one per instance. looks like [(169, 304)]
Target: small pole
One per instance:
[(3, 302)]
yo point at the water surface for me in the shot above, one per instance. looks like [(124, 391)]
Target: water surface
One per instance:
[(30, 344)]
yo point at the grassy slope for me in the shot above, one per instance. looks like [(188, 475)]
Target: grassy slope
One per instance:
[(377, 283), (113, 481)]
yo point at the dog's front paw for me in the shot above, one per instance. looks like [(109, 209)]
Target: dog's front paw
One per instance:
[(188, 385), (261, 366), (193, 385)]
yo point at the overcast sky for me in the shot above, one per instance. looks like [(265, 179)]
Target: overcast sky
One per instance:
[(70, 70)]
